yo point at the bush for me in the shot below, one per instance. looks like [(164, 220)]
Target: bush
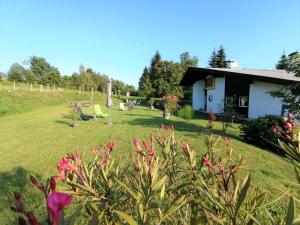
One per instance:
[(260, 132), (165, 179), (186, 112)]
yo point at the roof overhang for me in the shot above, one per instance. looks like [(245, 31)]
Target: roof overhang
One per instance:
[(194, 74)]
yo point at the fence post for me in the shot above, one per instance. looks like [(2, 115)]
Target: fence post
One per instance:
[(14, 85), (41, 88), (30, 86), (92, 90)]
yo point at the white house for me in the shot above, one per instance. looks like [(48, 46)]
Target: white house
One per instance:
[(251, 87)]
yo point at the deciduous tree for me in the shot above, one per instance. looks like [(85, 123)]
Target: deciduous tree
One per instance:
[(16, 73)]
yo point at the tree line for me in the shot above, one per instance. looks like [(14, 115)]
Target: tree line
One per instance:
[(41, 72), (162, 77)]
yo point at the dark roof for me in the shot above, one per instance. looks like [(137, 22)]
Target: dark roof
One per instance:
[(273, 76)]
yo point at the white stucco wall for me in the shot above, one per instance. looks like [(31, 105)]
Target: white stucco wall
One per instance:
[(262, 103), (218, 95), (198, 95)]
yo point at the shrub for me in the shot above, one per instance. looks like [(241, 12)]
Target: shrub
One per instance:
[(170, 103), (179, 187), (259, 132), (186, 112)]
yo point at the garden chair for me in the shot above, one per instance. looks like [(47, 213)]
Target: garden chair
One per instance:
[(81, 115), (99, 112)]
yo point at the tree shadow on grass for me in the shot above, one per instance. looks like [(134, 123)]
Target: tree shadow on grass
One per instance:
[(13, 181), (62, 122), (180, 126)]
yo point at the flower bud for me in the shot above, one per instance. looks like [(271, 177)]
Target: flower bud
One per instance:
[(35, 181), (52, 184), (145, 144), (31, 218), (22, 221)]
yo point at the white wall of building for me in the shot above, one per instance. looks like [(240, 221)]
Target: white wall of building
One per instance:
[(261, 103), (198, 95), (218, 95)]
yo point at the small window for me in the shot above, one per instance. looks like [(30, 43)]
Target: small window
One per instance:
[(210, 82), (243, 101)]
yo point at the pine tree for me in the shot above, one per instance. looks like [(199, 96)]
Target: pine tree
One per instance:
[(283, 62), (154, 72), (213, 59), (145, 87), (221, 58)]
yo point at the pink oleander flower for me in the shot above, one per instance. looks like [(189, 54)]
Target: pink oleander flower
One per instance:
[(65, 165), (289, 126), (208, 164), (56, 202), (137, 144)]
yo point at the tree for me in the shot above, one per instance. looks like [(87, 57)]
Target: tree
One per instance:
[(52, 77), (221, 58), (145, 86), (187, 61), (30, 76), (213, 59), (290, 94), (40, 67), (16, 73), (75, 80), (283, 62), (153, 71), (118, 86)]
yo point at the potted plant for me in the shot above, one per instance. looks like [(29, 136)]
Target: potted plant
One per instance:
[(170, 104), (74, 118), (151, 102)]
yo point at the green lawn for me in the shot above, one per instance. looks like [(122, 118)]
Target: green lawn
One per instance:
[(33, 141)]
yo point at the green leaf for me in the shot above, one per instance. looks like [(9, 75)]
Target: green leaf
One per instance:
[(243, 193), (162, 192), (134, 195), (159, 183), (291, 212), (296, 221), (126, 217)]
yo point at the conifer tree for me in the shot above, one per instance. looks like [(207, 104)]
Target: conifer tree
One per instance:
[(213, 59), (221, 58), (283, 62), (145, 87)]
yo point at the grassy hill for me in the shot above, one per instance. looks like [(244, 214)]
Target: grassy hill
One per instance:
[(35, 134)]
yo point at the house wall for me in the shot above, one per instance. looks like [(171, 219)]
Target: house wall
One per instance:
[(218, 95), (262, 103), (198, 95)]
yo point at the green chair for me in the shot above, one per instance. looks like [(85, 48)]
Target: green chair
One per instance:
[(99, 112)]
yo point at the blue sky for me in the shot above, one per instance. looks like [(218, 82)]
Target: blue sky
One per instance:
[(119, 38)]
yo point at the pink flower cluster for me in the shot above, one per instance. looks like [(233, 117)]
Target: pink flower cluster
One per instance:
[(287, 131), (147, 152)]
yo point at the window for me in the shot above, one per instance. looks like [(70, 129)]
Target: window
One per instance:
[(209, 82), (243, 101)]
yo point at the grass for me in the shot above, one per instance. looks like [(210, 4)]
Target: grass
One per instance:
[(34, 137)]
